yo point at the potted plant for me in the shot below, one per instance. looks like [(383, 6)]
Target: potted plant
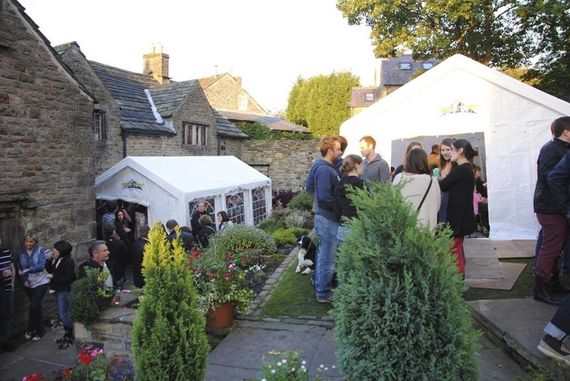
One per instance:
[(221, 285)]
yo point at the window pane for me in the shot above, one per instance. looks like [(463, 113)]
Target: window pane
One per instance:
[(235, 208), (259, 210)]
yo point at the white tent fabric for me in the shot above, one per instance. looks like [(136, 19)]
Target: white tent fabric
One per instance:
[(461, 96), (167, 184)]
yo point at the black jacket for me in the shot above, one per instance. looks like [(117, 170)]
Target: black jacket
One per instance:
[(460, 185), (89, 265), (63, 273), (558, 182), (195, 224), (550, 154), (137, 252), (187, 238), (343, 207), (203, 237)]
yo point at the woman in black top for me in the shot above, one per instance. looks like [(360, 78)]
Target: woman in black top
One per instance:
[(459, 184), (61, 269), (351, 171)]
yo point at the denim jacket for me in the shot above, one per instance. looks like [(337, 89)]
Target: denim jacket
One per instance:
[(36, 262)]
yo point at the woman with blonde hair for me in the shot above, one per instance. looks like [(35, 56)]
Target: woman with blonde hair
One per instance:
[(31, 264)]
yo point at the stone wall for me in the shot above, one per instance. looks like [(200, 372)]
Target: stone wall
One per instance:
[(46, 148), (108, 152), (227, 94), (286, 162)]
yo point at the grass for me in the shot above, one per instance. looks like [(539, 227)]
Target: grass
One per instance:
[(294, 296), (521, 289)]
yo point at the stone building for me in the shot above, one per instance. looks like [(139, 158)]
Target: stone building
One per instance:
[(148, 114), (46, 144)]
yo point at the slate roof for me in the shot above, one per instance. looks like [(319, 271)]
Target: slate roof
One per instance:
[(168, 97), (393, 75), (227, 128), (358, 96), (273, 122), (128, 89)]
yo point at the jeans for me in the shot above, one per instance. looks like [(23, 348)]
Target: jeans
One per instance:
[(62, 300), (6, 312), (553, 238), (565, 265), (559, 326), (342, 233), (326, 255), (35, 318)]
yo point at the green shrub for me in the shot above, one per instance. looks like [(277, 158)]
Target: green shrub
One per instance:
[(89, 297), (301, 201), (243, 241), (259, 131), (270, 225), (169, 336), (398, 311)]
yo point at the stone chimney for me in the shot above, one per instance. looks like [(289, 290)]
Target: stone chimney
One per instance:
[(238, 80), (156, 64)]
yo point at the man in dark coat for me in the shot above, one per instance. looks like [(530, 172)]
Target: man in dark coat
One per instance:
[(195, 220), (137, 252), (551, 215), (98, 255), (187, 238)]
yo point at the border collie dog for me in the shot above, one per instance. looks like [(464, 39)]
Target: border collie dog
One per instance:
[(306, 255)]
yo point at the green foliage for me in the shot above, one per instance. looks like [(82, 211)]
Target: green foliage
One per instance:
[(489, 31), (321, 102), (288, 237), (169, 338), (287, 366), (398, 311), (259, 131), (220, 280), (301, 201), (89, 296), (243, 241), (270, 225)]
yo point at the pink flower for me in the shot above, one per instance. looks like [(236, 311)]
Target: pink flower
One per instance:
[(227, 276)]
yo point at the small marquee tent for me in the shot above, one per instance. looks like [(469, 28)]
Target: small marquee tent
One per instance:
[(170, 186), (461, 96)]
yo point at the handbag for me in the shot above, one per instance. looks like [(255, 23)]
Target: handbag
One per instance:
[(425, 195)]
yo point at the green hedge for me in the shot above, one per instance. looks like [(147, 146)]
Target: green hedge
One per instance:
[(399, 311), (259, 131), (243, 241)]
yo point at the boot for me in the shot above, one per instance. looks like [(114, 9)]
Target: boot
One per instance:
[(68, 338), (555, 286), (543, 294)]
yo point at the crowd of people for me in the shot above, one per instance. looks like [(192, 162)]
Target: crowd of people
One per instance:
[(52, 271), (440, 187)]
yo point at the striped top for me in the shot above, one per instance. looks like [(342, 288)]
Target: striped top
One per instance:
[(5, 261)]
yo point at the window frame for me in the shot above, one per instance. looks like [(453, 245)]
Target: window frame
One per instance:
[(195, 134), (99, 125)]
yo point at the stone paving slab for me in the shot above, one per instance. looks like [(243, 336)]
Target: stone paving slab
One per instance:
[(518, 324), (511, 272)]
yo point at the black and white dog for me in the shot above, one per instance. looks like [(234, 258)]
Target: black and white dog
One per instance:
[(306, 255)]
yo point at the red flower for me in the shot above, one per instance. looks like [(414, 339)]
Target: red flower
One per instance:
[(229, 256), (34, 377), (227, 276), (212, 276), (84, 358), (66, 373)]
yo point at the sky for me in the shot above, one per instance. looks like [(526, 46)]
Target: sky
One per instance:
[(269, 43)]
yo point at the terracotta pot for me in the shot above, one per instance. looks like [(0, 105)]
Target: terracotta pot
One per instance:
[(222, 316)]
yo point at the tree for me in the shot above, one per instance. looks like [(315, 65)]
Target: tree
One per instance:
[(488, 31), (549, 21), (399, 312), (321, 103), (169, 335)]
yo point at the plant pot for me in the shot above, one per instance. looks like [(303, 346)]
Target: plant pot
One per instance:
[(221, 316)]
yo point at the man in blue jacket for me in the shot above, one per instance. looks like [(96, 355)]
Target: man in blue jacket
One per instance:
[(551, 214), (326, 224)]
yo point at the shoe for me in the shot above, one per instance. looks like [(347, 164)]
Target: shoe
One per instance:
[(61, 339), (325, 300), (551, 347), (36, 337), (28, 335), (68, 342), (544, 295)]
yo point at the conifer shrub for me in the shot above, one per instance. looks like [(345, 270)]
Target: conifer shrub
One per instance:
[(398, 310), (301, 201), (89, 297), (169, 336), (242, 240)]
